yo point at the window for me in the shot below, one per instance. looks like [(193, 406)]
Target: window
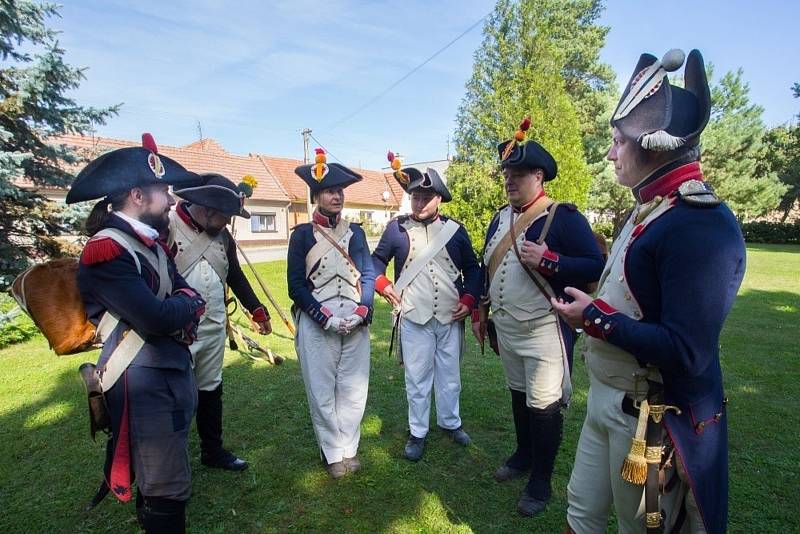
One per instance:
[(263, 222)]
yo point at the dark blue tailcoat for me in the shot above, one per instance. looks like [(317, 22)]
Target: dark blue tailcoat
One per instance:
[(684, 270), (161, 394)]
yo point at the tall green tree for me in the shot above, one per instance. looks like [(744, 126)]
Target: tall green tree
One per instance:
[(34, 106), (783, 158), (537, 58), (732, 148)]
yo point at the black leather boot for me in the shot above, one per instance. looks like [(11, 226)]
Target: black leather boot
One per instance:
[(161, 516), (546, 426), (519, 463), (209, 427)]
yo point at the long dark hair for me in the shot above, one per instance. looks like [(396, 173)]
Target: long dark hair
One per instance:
[(100, 213)]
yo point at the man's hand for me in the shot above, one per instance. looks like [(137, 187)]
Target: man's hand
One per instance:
[(572, 312), (531, 254), (391, 295), (460, 311), (262, 320)]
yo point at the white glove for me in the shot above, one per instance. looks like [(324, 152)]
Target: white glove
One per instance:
[(353, 321), (338, 325)]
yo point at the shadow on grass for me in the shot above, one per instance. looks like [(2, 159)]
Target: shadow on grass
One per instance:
[(51, 467)]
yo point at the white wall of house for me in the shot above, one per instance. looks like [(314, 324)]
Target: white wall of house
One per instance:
[(267, 222)]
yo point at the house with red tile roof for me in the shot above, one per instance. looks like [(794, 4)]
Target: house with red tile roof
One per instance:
[(279, 202)]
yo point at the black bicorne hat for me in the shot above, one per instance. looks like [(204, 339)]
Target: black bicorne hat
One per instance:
[(430, 180), (660, 116), (216, 192), (529, 155), (126, 168), (322, 175)]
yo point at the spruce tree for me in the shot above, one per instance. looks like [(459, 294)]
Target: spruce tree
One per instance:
[(34, 106), (533, 53), (733, 147)]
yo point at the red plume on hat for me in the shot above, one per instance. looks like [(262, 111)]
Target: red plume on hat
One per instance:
[(153, 160), (320, 168), (149, 143)]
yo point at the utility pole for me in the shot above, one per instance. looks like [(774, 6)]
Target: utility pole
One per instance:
[(199, 131), (306, 133)]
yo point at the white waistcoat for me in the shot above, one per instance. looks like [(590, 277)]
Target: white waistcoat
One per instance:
[(606, 362), (511, 289), (433, 291), (334, 276), (201, 276)]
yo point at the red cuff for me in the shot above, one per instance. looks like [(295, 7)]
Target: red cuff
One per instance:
[(549, 263), (467, 300), (260, 315), (326, 312), (381, 283), (476, 316), (362, 311), (604, 307)]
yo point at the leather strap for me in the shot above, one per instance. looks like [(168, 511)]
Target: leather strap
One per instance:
[(433, 247), (508, 240), (341, 251), (547, 291)]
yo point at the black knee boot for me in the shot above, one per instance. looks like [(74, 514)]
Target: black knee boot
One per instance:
[(546, 426), (209, 427), (522, 457), (161, 516)]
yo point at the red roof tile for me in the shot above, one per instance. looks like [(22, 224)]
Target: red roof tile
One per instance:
[(276, 178)]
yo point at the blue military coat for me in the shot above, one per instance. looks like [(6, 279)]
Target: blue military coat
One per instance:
[(684, 270)]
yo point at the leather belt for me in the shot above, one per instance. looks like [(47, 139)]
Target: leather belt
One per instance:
[(629, 408)]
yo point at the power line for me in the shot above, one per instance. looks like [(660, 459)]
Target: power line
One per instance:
[(328, 152), (407, 75)]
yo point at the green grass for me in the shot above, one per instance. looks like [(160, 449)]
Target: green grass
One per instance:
[(49, 467)]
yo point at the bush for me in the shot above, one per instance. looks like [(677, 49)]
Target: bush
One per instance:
[(605, 229), (14, 329), (771, 232)]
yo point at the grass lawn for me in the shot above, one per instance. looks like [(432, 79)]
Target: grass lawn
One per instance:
[(49, 467)]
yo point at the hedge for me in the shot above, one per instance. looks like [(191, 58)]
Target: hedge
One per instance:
[(771, 232)]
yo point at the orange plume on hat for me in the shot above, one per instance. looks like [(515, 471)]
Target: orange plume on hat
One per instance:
[(320, 164), (396, 166), (519, 136)]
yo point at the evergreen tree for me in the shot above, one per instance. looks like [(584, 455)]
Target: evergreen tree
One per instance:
[(34, 81), (783, 158), (534, 52), (732, 148)]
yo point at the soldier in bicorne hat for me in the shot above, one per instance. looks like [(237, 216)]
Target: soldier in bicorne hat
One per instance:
[(654, 442), (205, 254), (147, 317), (534, 248), (437, 282), (331, 282)]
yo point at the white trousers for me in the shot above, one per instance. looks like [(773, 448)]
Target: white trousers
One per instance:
[(532, 357), (596, 484), (431, 358), (336, 375), (208, 353)]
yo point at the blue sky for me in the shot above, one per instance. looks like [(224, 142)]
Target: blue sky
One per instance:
[(256, 75)]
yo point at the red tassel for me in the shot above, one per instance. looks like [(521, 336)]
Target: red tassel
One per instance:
[(390, 156), (120, 479), (525, 124), (149, 143), (319, 151), (99, 250)]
